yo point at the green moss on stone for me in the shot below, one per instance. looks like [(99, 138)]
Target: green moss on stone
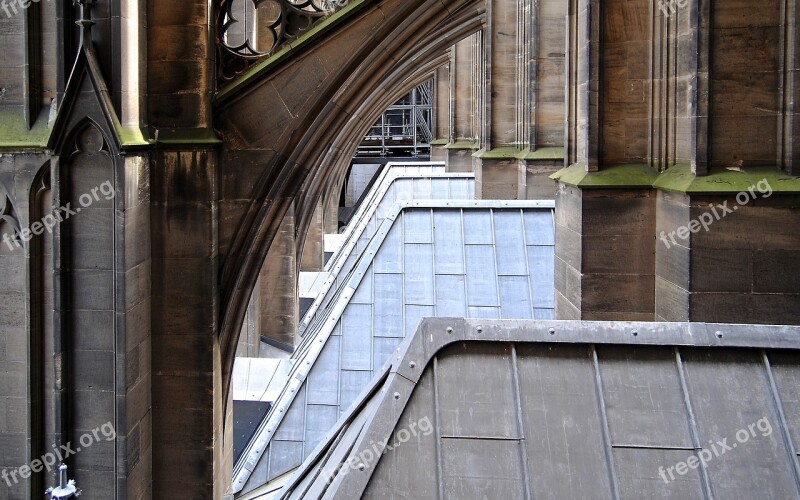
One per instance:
[(514, 153), (188, 137), (504, 153), (551, 153), (132, 137), (681, 179), (462, 145), (617, 176), (14, 133), (439, 142), (678, 179)]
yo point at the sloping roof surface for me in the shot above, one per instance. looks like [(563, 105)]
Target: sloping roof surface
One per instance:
[(568, 409), (486, 259), (397, 183), (259, 379)]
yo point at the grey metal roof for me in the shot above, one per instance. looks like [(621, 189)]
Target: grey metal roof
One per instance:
[(399, 182), (569, 409), (259, 379), (487, 259)]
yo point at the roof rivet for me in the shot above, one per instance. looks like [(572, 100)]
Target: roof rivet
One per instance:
[(449, 330), (361, 466), (719, 334), (413, 364), (396, 395), (480, 329), (635, 334), (552, 331)]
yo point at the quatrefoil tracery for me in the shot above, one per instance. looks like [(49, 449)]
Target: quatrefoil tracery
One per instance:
[(276, 22)]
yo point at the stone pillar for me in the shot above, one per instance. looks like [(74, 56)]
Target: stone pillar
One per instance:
[(187, 429), (279, 309), (330, 219), (183, 325), (442, 114), (465, 63), (605, 201), (522, 134), (605, 253), (250, 337), (738, 268), (659, 142), (313, 251)]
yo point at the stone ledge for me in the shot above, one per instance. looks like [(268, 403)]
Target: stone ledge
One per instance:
[(14, 133), (513, 153), (618, 176), (462, 145), (678, 178)]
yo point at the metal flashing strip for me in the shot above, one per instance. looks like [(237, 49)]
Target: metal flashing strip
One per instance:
[(391, 167), (436, 334), (317, 337), (379, 188)]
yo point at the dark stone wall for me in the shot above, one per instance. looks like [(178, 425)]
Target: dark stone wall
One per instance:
[(179, 64), (184, 321), (742, 270), (604, 254), (644, 255)]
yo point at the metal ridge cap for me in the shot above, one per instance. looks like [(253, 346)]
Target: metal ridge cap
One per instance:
[(376, 189), (435, 334)]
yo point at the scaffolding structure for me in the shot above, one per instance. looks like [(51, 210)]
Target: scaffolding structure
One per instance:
[(405, 129)]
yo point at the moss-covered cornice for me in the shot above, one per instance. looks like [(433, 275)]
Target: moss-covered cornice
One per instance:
[(464, 144), (678, 178), (681, 179), (303, 41), (514, 153), (439, 142), (14, 133), (501, 153), (202, 137), (617, 176)]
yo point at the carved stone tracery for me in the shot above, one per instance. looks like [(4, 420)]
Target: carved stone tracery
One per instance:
[(272, 24)]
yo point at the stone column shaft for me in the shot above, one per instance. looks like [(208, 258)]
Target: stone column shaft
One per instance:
[(279, 286)]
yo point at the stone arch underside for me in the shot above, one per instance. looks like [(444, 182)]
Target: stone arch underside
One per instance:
[(281, 134), (336, 162)]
